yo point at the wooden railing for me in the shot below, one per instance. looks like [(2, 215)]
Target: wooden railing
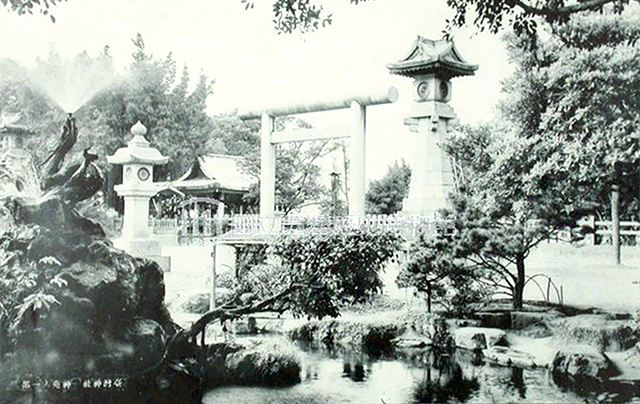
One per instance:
[(628, 229), (408, 226)]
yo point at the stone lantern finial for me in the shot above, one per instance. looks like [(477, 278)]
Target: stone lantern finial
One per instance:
[(138, 129)]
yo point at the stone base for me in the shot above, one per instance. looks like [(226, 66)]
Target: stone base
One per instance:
[(150, 249), (162, 260), (425, 205)]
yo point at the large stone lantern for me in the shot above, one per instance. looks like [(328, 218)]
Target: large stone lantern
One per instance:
[(431, 65), (137, 188)]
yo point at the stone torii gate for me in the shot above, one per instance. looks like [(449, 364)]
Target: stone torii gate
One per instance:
[(356, 132)]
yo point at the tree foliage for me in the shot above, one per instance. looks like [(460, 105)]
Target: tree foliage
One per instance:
[(521, 14), (297, 170), (152, 93), (501, 212), (30, 6), (433, 269), (340, 267), (574, 103), (309, 15), (385, 196)]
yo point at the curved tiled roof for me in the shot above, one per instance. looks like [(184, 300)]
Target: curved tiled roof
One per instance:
[(215, 170), (429, 56)]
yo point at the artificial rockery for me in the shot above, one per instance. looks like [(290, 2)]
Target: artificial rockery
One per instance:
[(72, 306), (81, 319)]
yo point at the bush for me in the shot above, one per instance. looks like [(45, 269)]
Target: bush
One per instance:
[(336, 268)]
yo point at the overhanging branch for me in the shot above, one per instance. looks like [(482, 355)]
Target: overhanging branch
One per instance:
[(546, 11)]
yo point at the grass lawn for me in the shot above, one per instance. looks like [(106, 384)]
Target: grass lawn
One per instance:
[(586, 274)]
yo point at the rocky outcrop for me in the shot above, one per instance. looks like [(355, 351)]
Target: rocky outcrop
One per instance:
[(106, 308)]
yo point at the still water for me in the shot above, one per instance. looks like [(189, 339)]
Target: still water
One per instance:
[(356, 378)]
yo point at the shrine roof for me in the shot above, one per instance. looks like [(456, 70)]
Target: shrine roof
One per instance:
[(215, 171), (428, 56)]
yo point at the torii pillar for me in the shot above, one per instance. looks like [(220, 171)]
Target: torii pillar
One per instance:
[(356, 131), (431, 65)]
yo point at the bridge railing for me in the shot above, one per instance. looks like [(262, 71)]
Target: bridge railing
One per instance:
[(408, 226)]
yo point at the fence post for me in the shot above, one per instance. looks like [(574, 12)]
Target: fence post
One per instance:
[(592, 224), (615, 221)]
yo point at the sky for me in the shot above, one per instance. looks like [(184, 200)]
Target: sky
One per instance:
[(254, 66)]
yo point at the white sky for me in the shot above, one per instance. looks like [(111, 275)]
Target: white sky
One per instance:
[(253, 65)]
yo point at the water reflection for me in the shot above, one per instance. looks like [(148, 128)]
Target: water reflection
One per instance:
[(444, 380), (355, 373), (410, 376), (353, 367), (517, 382)]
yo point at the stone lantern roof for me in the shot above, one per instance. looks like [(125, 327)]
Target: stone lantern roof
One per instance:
[(138, 150), (440, 57)]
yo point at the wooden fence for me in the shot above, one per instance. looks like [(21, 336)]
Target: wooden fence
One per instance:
[(603, 231)]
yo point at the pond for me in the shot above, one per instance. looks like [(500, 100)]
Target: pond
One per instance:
[(410, 377)]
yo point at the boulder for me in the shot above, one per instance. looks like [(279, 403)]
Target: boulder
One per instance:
[(473, 338), (150, 293), (463, 322), (70, 327), (501, 320), (147, 339), (245, 326), (216, 370), (582, 368), (410, 338), (274, 365), (632, 357), (112, 295)]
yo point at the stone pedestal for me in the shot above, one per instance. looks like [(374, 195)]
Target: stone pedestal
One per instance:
[(225, 258), (431, 173)]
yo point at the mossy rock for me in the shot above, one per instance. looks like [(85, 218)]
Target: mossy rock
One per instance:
[(274, 364)]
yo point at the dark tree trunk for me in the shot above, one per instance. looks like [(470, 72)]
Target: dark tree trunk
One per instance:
[(518, 291), (429, 297)]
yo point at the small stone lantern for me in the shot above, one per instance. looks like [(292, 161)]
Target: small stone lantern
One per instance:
[(18, 174), (431, 65), (137, 188)]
